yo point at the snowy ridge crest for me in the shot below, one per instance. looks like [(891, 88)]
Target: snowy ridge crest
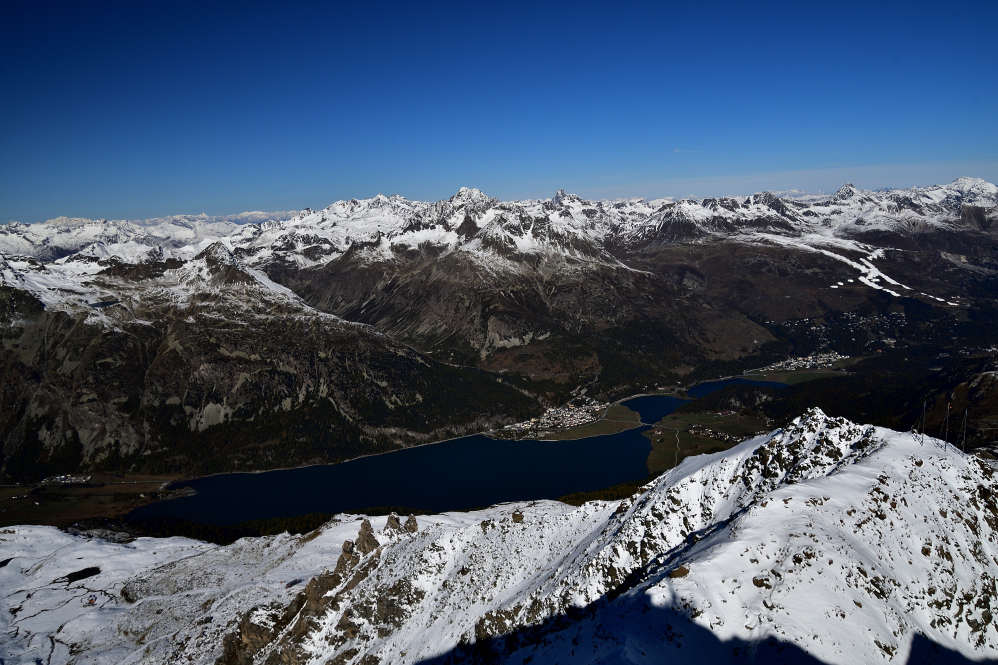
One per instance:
[(732, 542), (706, 492)]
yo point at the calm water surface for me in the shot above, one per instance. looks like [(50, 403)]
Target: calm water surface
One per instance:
[(469, 472), (653, 407), (703, 389)]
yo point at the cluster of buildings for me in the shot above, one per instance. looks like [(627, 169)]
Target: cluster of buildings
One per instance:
[(813, 361), (580, 411), (700, 430), (65, 480)]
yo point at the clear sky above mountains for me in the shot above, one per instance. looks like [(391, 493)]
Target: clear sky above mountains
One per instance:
[(134, 110)]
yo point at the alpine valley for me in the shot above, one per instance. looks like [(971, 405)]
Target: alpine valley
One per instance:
[(193, 345)]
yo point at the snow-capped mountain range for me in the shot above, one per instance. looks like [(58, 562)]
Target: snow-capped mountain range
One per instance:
[(498, 237), (126, 239), (474, 222), (825, 542), (192, 345)]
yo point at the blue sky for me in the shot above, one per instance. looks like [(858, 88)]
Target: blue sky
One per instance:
[(142, 109)]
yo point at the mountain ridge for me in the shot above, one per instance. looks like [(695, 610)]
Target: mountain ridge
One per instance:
[(612, 221), (826, 540)]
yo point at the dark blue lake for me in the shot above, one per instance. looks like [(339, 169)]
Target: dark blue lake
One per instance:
[(653, 407), (707, 388), (470, 472)]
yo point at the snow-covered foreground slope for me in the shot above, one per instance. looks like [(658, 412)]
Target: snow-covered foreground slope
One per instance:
[(828, 540)]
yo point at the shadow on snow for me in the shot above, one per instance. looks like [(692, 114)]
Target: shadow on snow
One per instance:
[(609, 633)]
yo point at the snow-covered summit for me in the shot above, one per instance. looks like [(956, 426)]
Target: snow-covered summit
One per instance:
[(561, 196), (828, 540), (846, 192), (976, 188), (471, 195)]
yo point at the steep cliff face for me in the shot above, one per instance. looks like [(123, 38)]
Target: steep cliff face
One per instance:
[(208, 365), (824, 542)]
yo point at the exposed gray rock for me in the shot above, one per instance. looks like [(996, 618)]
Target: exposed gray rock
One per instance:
[(366, 542), (410, 524), (392, 525)]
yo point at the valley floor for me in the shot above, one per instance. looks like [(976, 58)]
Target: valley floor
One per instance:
[(64, 504)]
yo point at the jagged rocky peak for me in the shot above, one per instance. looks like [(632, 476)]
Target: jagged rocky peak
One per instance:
[(561, 196), (846, 192), (469, 201), (366, 542), (394, 527), (221, 265), (217, 253)]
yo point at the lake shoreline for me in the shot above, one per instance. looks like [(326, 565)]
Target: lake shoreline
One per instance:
[(452, 474), (176, 484)]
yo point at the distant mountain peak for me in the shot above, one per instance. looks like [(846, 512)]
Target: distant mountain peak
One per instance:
[(965, 181), (70, 222), (469, 194), (846, 192), (974, 187), (217, 252), (561, 196)]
